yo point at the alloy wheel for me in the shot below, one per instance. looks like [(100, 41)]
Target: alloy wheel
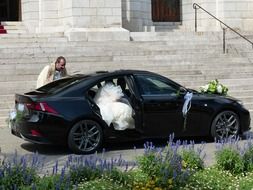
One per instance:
[(226, 125), (85, 136)]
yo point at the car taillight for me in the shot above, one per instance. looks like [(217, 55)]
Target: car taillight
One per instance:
[(41, 106), (35, 133)]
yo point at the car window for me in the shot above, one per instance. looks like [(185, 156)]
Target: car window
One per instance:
[(59, 85), (152, 85)]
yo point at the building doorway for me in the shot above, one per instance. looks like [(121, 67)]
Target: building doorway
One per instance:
[(166, 10), (10, 10)]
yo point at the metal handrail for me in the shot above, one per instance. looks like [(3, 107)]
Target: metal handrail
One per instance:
[(197, 6)]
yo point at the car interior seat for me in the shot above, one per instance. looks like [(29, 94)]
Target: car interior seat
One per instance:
[(122, 83)]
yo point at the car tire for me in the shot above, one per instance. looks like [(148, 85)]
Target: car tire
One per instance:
[(225, 125), (85, 137)]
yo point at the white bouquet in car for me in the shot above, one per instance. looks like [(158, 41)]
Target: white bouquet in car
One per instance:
[(214, 87)]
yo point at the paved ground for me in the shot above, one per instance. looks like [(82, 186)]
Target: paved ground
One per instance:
[(10, 143)]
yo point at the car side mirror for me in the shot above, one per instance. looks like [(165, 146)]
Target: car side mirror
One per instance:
[(182, 91)]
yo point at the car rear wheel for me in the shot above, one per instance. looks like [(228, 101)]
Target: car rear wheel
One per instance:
[(85, 137), (225, 125)]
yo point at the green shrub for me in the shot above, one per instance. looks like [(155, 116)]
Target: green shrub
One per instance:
[(210, 178), (245, 182), (123, 178), (143, 181), (230, 159), (191, 159), (100, 184), (164, 167), (12, 177), (149, 164), (248, 159), (50, 183), (78, 174), (139, 176)]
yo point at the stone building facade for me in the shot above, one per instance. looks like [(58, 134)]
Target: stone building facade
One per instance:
[(114, 19)]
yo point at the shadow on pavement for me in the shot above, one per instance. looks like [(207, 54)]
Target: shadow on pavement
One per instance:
[(108, 146), (46, 149)]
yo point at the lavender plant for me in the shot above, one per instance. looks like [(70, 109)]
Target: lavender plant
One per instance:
[(82, 170), (192, 158), (164, 165), (248, 155), (229, 156), (19, 171)]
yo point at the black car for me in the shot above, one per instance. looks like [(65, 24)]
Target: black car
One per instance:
[(64, 111)]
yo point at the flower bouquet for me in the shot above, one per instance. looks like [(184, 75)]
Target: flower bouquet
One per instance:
[(214, 87)]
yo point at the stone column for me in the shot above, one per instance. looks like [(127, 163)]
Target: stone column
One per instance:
[(49, 16), (94, 20), (30, 14)]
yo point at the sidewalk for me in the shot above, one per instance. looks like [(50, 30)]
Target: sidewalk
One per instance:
[(9, 143)]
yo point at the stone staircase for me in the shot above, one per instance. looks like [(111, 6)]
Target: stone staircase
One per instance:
[(2, 29), (189, 58), (14, 27), (167, 26)]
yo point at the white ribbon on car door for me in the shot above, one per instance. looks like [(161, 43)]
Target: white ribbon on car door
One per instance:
[(186, 106)]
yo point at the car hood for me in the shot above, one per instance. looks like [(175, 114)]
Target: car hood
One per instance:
[(206, 96)]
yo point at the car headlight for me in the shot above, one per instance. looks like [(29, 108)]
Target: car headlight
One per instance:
[(240, 102)]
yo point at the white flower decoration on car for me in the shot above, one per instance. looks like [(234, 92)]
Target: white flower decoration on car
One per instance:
[(214, 87), (219, 89)]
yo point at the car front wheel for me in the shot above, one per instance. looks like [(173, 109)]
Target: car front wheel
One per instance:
[(225, 125), (85, 137)]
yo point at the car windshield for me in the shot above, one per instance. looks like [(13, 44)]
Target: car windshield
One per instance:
[(59, 85)]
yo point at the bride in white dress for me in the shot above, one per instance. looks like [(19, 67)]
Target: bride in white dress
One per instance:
[(112, 109)]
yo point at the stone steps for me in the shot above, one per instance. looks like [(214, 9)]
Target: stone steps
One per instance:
[(144, 54), (229, 82), (128, 55), (163, 61), (242, 83), (77, 48), (46, 42), (176, 75), (100, 50), (168, 37), (14, 27), (32, 35)]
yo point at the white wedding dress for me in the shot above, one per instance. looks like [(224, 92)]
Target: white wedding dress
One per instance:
[(112, 109)]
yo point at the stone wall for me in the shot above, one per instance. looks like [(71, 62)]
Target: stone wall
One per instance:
[(238, 14), (95, 13), (133, 15), (59, 15), (88, 20), (49, 11), (30, 14), (94, 20), (136, 15)]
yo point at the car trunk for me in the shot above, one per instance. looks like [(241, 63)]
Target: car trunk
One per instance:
[(29, 103), (22, 103)]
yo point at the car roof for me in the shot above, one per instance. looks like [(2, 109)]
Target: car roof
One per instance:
[(98, 75), (112, 73)]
